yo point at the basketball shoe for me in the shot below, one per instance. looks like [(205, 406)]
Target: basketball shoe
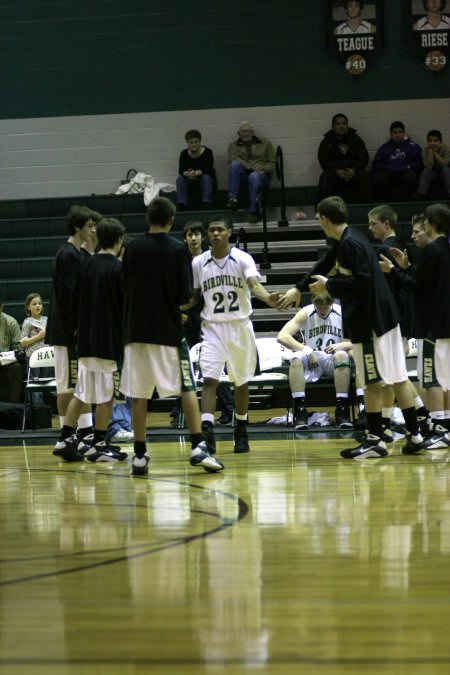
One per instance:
[(201, 457), (72, 449), (372, 447)]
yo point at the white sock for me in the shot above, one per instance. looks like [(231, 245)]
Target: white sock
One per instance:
[(85, 420), (208, 417)]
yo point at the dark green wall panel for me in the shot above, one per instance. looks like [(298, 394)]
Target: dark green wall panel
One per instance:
[(108, 56)]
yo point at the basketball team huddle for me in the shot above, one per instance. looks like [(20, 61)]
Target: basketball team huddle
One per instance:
[(116, 326)]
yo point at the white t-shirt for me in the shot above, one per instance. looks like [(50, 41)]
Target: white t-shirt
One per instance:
[(223, 284)]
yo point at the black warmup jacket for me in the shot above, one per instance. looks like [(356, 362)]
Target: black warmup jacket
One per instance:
[(97, 308), (66, 266), (357, 281), (429, 281), (156, 281), (403, 299)]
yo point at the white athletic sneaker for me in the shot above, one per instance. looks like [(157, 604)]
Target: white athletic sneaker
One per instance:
[(122, 436), (139, 465)]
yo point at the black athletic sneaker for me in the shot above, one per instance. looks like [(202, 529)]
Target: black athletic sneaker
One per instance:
[(300, 417), (99, 457), (423, 423), (373, 447), (361, 422), (437, 441), (225, 418), (436, 428), (208, 435), (103, 452), (387, 436), (241, 440), (342, 415), (71, 449), (139, 465), (201, 457), (89, 441), (411, 448)]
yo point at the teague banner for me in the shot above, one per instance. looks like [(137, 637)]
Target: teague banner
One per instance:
[(428, 33), (355, 33)]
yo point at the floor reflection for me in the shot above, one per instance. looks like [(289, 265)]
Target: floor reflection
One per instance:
[(289, 554)]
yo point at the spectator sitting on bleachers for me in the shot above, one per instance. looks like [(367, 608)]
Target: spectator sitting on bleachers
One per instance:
[(251, 163), (343, 157), (396, 166), (320, 351), (196, 170), (11, 374), (436, 160)]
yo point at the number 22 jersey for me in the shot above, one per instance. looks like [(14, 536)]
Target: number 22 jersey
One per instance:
[(223, 284)]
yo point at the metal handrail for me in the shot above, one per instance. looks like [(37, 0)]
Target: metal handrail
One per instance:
[(283, 222), (265, 259)]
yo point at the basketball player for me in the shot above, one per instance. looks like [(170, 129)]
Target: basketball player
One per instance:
[(321, 352), (434, 19), (59, 331), (371, 320), (97, 307), (156, 283), (355, 24), (194, 235), (226, 277), (430, 282), (382, 223)]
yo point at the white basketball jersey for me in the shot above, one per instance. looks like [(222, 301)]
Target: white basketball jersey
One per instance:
[(319, 333), (223, 284), (423, 24), (344, 29)]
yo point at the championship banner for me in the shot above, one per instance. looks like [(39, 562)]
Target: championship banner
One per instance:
[(355, 33), (428, 33)]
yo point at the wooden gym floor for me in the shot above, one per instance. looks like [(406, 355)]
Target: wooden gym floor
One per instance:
[(290, 561)]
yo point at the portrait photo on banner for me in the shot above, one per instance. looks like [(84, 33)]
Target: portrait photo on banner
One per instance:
[(355, 33), (427, 32)]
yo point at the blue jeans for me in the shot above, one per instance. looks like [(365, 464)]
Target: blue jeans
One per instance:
[(204, 182), (238, 176), (120, 419), (429, 175)]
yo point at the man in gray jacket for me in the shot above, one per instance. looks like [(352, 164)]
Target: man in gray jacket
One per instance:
[(251, 163)]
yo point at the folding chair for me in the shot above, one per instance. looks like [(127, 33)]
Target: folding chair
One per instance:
[(41, 358)]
